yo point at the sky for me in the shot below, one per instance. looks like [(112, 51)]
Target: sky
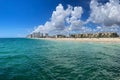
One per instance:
[(19, 18)]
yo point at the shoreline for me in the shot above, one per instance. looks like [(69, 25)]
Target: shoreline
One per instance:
[(83, 39)]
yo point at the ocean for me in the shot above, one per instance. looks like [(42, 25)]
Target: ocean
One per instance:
[(32, 59)]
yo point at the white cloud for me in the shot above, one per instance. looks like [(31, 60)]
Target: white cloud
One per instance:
[(62, 20), (74, 20), (107, 14), (113, 28)]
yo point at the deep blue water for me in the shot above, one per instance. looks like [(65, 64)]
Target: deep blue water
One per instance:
[(30, 59)]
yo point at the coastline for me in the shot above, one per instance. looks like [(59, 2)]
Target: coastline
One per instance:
[(83, 39)]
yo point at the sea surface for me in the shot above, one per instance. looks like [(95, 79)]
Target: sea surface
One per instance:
[(32, 59)]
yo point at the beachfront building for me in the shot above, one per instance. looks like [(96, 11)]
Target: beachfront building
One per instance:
[(95, 35), (89, 35), (37, 35), (60, 36), (45, 35), (29, 36)]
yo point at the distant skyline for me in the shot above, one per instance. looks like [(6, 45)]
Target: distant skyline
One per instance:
[(19, 17)]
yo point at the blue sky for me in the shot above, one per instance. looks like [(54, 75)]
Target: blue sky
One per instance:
[(19, 17)]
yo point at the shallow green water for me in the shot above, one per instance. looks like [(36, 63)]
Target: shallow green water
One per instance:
[(30, 59)]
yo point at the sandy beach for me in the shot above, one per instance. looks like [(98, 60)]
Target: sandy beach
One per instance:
[(84, 39)]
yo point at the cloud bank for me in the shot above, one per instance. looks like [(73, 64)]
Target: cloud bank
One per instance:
[(69, 20), (62, 20), (107, 14)]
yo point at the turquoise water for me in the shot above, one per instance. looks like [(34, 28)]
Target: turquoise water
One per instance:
[(30, 59)]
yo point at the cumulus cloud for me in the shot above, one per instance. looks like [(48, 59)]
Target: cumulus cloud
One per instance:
[(62, 20), (113, 28), (104, 16), (74, 20), (107, 14)]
